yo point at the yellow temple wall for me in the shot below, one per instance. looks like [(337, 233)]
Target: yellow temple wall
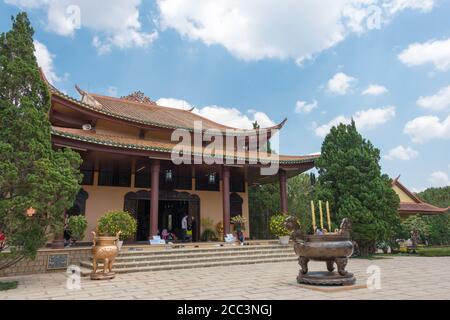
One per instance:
[(402, 195)]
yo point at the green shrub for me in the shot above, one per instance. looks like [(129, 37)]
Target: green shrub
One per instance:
[(208, 233), (77, 226), (115, 221), (434, 251), (4, 286), (276, 226)]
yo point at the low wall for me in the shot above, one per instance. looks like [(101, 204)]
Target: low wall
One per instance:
[(49, 260)]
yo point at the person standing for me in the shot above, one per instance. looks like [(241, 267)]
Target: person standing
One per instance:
[(184, 227)]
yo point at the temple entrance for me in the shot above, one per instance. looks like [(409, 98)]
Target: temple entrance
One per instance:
[(171, 214), (143, 220), (173, 206)]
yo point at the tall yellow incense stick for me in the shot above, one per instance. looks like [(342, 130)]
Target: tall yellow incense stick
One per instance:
[(313, 212), (321, 214), (328, 216)]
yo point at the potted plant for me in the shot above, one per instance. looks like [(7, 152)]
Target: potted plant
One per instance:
[(76, 226), (208, 233), (117, 221), (278, 229)]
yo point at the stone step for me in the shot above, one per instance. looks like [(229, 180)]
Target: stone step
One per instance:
[(194, 255), (214, 258), (197, 265), (126, 252)]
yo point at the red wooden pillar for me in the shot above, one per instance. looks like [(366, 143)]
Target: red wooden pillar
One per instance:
[(226, 199), (154, 201), (283, 191)]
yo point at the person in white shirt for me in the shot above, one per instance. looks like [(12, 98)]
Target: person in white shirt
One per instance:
[(184, 227)]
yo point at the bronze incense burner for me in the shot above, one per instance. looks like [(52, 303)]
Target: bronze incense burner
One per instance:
[(104, 249), (331, 248)]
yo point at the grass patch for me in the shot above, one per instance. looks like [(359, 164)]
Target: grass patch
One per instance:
[(8, 285), (434, 252), (378, 256)]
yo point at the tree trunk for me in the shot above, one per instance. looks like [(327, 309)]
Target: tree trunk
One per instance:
[(367, 248)]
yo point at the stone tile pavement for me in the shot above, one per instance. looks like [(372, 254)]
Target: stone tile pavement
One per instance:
[(401, 278)]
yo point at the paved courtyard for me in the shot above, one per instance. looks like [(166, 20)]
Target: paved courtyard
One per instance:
[(401, 278)]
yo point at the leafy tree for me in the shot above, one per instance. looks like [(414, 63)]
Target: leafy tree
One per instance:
[(32, 174), (439, 226), (264, 202), (300, 194), (439, 197), (416, 223), (350, 178)]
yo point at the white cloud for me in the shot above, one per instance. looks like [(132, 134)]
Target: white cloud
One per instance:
[(374, 90), (401, 153), (436, 52), (439, 101), (45, 61), (364, 120), (340, 83), (290, 29), (423, 129), (400, 5), (305, 107), (112, 91), (227, 116), (439, 179), (174, 103), (115, 22)]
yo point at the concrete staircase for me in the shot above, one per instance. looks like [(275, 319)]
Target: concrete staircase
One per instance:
[(143, 260)]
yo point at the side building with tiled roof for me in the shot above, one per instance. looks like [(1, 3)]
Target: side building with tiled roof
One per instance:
[(411, 204), (126, 146)]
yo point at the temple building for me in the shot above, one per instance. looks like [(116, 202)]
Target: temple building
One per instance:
[(126, 147), (411, 204)]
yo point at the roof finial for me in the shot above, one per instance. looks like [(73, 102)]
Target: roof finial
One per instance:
[(140, 97)]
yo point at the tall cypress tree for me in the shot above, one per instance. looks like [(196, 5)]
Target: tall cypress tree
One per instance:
[(32, 173), (350, 178)]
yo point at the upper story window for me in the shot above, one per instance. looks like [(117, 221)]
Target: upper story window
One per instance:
[(175, 177), (115, 173), (142, 175), (207, 179), (87, 170)]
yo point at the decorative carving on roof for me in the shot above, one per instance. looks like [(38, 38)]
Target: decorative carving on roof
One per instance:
[(140, 97)]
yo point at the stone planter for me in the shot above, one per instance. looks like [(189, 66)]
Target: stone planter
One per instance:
[(284, 240), (104, 249), (119, 244)]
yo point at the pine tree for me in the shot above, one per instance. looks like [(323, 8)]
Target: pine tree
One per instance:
[(32, 174), (350, 178)]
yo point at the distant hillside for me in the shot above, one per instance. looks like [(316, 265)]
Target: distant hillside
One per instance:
[(436, 196)]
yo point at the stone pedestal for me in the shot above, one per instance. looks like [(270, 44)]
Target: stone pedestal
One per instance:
[(323, 278)]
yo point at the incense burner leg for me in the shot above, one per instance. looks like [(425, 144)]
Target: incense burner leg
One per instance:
[(303, 262), (341, 264), (330, 265)]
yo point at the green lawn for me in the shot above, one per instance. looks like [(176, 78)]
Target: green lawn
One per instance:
[(434, 252), (8, 285)]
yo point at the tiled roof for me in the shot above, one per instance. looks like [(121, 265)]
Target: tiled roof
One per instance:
[(176, 118), (148, 113), (421, 208), (153, 144), (418, 206)]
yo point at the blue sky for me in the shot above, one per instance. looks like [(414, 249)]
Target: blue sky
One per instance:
[(237, 61)]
